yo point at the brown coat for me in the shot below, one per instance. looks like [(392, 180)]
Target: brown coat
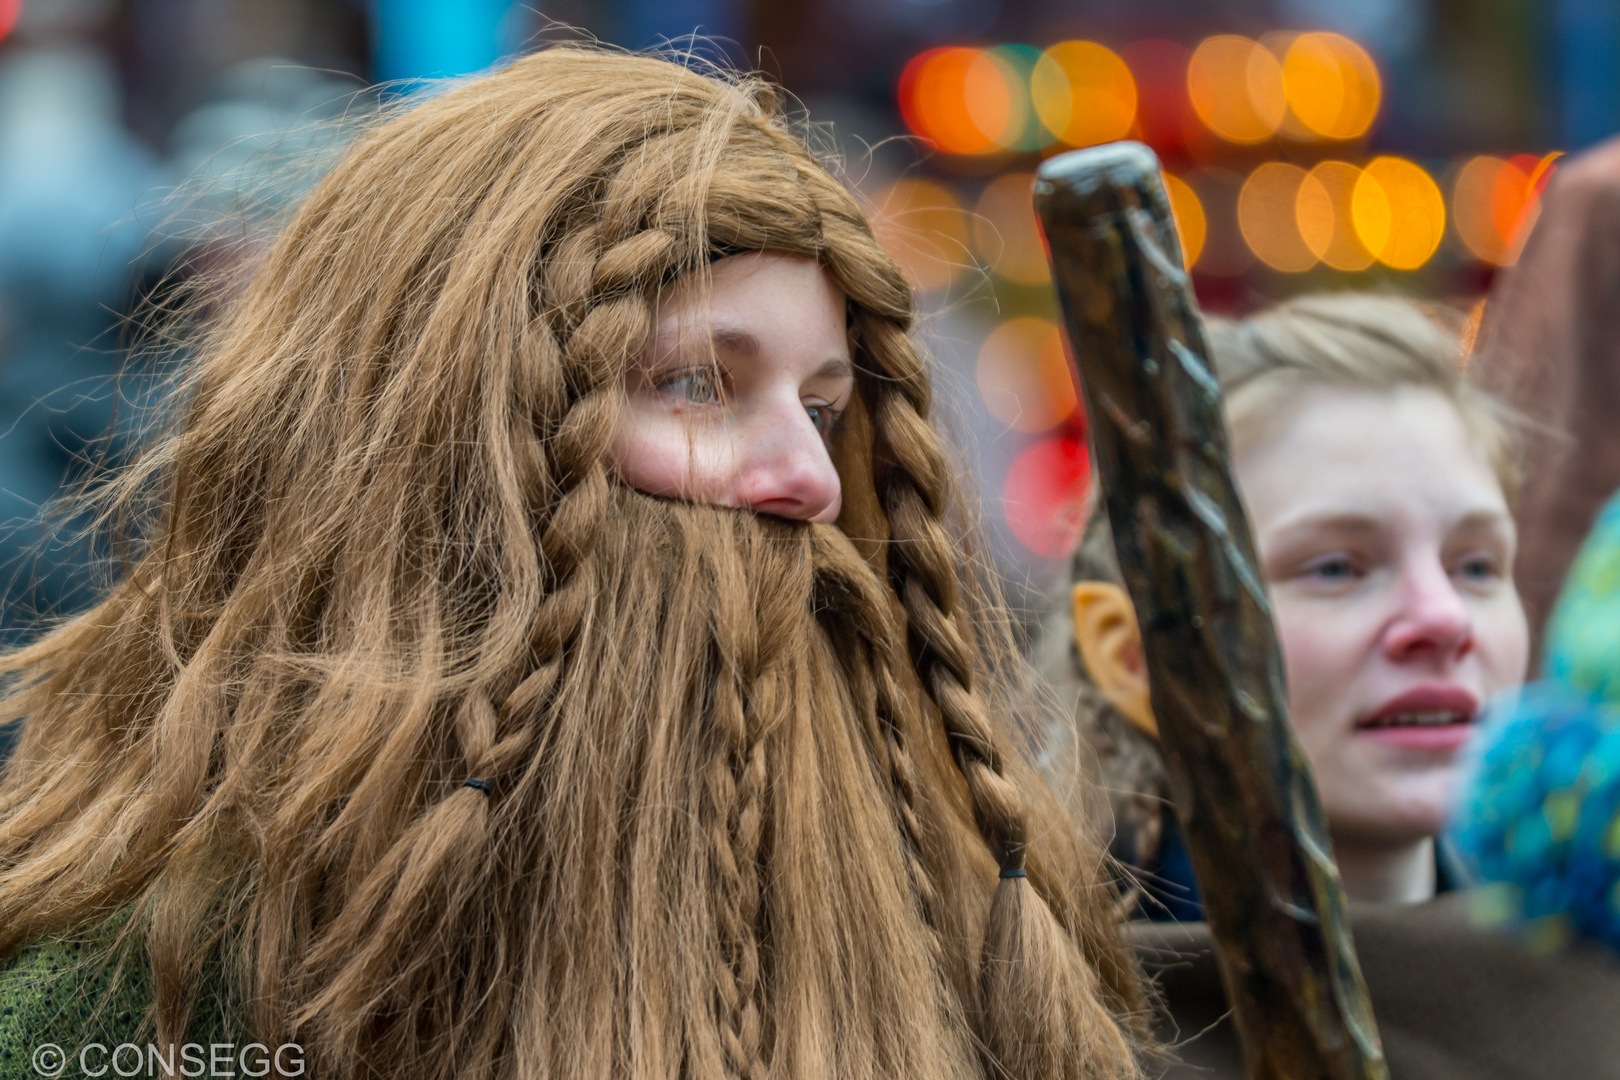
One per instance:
[(1453, 1002)]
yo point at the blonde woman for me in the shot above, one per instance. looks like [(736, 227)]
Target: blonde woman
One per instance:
[(1379, 483), (550, 649)]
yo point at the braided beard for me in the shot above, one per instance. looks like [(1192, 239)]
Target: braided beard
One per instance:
[(700, 868)]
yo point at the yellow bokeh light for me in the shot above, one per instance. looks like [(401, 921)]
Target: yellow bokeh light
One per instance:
[(1331, 85), (1083, 93), (922, 226), (1188, 213), (1398, 212), (1268, 218), (1236, 88), (1324, 214), (1005, 233), (1023, 375)]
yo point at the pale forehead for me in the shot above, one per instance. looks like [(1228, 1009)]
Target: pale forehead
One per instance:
[(745, 286), (1330, 449)]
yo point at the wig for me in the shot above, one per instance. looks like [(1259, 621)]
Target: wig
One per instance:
[(743, 786)]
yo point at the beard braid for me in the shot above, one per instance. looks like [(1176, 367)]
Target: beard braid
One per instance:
[(700, 869)]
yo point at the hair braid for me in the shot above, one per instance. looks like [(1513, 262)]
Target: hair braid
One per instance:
[(733, 791), (1038, 1000), (752, 629)]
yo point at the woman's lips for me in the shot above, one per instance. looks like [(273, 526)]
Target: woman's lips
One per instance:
[(1437, 716)]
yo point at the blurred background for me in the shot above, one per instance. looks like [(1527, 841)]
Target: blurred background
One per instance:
[(1307, 144)]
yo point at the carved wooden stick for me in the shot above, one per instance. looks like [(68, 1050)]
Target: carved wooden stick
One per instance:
[(1242, 788)]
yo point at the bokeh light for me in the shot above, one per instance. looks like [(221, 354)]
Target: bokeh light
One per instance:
[(965, 101), (1188, 213), (1398, 212), (1044, 496), (923, 227), (1494, 203), (1488, 193), (1023, 375), (1325, 217), (1083, 93), (1269, 220), (1005, 233), (10, 10), (1236, 87), (1331, 85)]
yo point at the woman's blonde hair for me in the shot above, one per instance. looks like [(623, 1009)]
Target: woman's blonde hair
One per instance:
[(383, 554), (1364, 341)]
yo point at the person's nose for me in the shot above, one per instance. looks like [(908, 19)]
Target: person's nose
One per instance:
[(1433, 620), (786, 470)]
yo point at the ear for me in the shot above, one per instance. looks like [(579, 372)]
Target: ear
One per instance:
[(1110, 646)]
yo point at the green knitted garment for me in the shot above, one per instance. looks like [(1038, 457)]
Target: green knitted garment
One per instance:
[(77, 990)]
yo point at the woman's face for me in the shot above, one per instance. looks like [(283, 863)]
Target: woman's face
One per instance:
[(1387, 545), (735, 402)]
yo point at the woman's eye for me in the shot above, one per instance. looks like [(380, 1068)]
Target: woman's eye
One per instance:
[(700, 386), (1479, 568), (1333, 568), (824, 417)]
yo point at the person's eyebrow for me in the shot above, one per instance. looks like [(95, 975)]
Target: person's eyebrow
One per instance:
[(735, 339), (836, 368), (1341, 522)]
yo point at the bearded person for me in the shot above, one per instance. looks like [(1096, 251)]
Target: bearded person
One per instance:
[(551, 645)]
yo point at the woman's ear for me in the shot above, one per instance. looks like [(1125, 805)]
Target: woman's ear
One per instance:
[(1110, 646)]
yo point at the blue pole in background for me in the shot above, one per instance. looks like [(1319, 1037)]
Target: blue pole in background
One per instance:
[(435, 39), (1586, 70)]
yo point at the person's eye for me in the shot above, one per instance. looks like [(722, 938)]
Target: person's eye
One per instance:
[(1334, 569), (824, 417), (699, 385), (1480, 568)]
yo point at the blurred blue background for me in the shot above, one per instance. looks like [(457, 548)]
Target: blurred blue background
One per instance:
[(109, 108)]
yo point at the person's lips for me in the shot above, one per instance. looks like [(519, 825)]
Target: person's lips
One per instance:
[(1438, 716)]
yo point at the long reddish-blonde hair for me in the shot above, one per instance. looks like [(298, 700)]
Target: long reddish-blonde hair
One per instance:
[(744, 799)]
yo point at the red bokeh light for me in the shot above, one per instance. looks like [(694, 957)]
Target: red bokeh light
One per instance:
[(1044, 497), (9, 11), (1164, 114)]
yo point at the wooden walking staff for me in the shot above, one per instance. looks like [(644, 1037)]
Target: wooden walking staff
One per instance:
[(1242, 788)]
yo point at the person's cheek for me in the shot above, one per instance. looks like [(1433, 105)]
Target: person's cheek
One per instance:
[(1503, 634)]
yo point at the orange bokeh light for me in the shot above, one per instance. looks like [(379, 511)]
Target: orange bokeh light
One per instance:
[(1398, 212), (1486, 200), (965, 101), (1023, 375), (1236, 87), (923, 227), (1494, 203), (1005, 232), (1269, 220), (1325, 217), (1188, 213), (1044, 497), (1083, 93), (1331, 85)]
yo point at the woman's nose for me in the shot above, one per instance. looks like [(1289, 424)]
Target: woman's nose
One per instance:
[(1434, 620), (786, 470)]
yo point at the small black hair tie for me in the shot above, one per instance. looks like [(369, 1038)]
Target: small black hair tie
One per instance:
[(476, 784), (1015, 872)]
